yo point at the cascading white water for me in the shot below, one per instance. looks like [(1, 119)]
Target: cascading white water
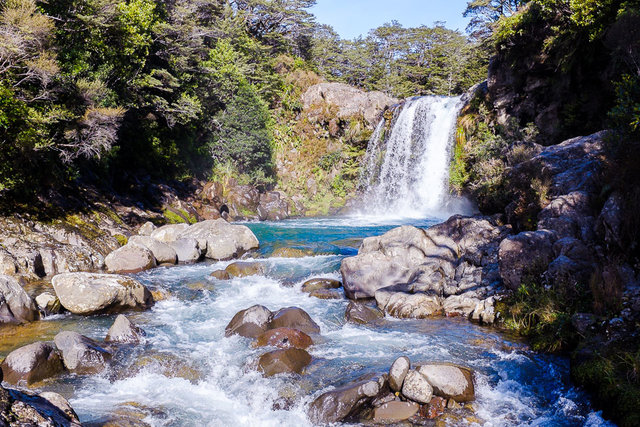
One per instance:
[(407, 171)]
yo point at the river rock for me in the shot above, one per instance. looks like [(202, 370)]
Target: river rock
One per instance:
[(162, 252), (524, 254), (250, 323), (48, 304), (335, 405), (147, 228), (296, 318), (124, 332), (326, 294), (405, 304), (130, 259), (62, 404), (188, 250), (170, 232), (284, 361), (224, 240), (81, 354), (284, 338), (361, 313), (221, 275), (32, 363), (89, 293), (16, 306), (272, 207), (394, 412), (416, 387), (19, 408), (316, 284), (398, 371), (449, 381), (8, 263), (436, 407), (291, 253), (244, 269)]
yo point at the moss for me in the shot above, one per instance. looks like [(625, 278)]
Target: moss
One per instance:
[(173, 218), (122, 239)]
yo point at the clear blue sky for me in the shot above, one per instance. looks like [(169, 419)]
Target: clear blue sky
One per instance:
[(351, 18)]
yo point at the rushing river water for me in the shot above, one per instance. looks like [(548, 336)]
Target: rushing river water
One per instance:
[(188, 373)]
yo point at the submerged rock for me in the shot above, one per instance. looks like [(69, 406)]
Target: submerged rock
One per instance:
[(326, 294), (124, 332), (290, 360), (81, 354), (130, 258), (284, 338), (296, 318), (32, 363), (318, 284), (221, 275), (244, 269), (358, 312), (250, 323), (89, 293), (16, 306), (291, 253)]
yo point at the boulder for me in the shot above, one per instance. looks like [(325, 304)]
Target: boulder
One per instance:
[(130, 259), (406, 304), (416, 387), (364, 274), (485, 311), (19, 408), (317, 284), (449, 381), (16, 305), (284, 338), (610, 221), (525, 254), (124, 332), (8, 263), (361, 313), (284, 361), (242, 201), (221, 275), (337, 404), (244, 269), (296, 318), (224, 240), (147, 228), (89, 293), (398, 371), (250, 323), (394, 412), (272, 207), (81, 354), (32, 363), (326, 294), (291, 253), (48, 304), (170, 232), (162, 252), (188, 250), (62, 404)]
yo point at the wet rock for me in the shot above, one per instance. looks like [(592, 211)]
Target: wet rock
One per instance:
[(162, 252), (398, 371), (449, 381), (89, 293), (416, 387), (147, 228), (295, 318), (48, 304), (170, 232), (250, 323), (32, 363), (244, 269), (526, 253), (403, 304), (188, 250), (220, 275), (25, 409), (124, 332), (62, 404), (272, 207), (8, 263), (317, 284), (166, 364), (394, 412), (285, 361), (361, 313), (16, 305), (81, 354), (326, 294), (436, 407), (284, 338), (224, 240), (291, 253), (336, 405), (130, 259)]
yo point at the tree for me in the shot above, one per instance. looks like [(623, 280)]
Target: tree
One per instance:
[(484, 13)]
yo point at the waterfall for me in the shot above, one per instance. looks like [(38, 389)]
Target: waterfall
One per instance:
[(406, 167)]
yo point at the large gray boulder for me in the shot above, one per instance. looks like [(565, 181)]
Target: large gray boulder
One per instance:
[(350, 101), (272, 207), (32, 363), (48, 409), (404, 303), (124, 332), (131, 258), (295, 318), (16, 305), (417, 388), (170, 232), (449, 381), (525, 254), (89, 293), (81, 354), (188, 250), (398, 371), (337, 404), (224, 240), (250, 323), (162, 252)]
